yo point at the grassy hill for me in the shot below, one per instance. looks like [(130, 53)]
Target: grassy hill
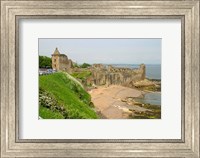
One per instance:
[(61, 96)]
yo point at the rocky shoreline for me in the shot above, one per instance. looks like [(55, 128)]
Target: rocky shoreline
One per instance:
[(117, 102), (114, 91)]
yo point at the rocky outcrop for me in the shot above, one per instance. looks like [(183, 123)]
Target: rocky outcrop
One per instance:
[(109, 75), (148, 85)]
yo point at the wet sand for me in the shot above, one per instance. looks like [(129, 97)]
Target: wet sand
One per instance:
[(113, 103)]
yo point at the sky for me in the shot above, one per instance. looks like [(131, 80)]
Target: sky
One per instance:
[(105, 51)]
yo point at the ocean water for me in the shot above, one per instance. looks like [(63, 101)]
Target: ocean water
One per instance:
[(152, 71), (150, 98)]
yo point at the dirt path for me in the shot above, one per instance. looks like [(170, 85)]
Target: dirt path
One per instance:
[(110, 101)]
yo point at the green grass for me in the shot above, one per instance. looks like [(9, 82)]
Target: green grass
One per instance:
[(68, 93), (47, 113), (81, 75)]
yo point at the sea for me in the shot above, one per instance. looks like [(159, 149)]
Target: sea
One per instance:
[(152, 72), (151, 98)]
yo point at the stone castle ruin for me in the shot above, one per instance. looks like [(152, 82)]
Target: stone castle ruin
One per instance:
[(60, 62), (109, 75), (100, 74)]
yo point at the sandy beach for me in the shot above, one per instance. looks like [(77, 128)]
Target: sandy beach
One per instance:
[(115, 102)]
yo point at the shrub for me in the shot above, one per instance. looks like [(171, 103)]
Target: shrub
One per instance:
[(85, 65), (45, 62)]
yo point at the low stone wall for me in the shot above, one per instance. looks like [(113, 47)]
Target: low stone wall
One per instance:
[(109, 75)]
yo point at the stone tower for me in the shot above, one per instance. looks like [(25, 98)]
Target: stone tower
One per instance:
[(143, 71), (60, 62)]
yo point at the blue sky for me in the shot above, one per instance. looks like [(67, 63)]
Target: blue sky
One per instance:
[(106, 51)]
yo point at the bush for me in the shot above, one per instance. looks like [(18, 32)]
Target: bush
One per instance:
[(85, 65), (45, 62), (76, 65)]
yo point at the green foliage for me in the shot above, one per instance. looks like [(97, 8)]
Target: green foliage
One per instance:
[(45, 62), (81, 75), (49, 107), (76, 65), (47, 113), (85, 65), (69, 94)]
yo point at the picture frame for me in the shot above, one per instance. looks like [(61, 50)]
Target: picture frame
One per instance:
[(12, 11)]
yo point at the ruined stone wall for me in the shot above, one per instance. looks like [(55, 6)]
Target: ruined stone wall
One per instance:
[(61, 62), (109, 75)]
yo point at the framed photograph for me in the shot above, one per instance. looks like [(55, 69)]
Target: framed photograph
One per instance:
[(100, 78)]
